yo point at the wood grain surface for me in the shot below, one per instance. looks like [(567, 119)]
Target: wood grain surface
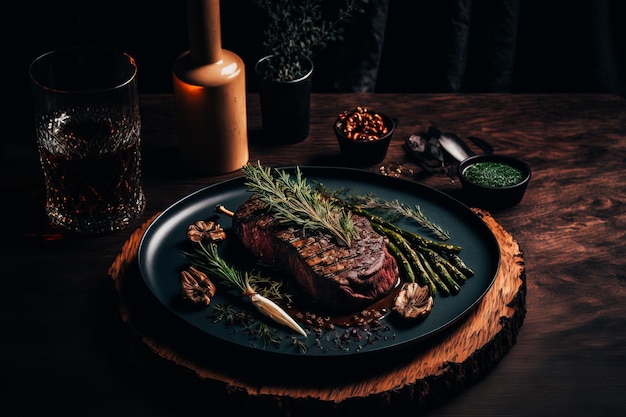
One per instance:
[(569, 357), (404, 380)]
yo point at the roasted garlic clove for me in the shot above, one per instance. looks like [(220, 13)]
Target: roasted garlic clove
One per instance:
[(205, 231), (196, 286), (413, 301)]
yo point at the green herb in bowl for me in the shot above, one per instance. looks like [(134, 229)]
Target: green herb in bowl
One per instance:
[(493, 174), (494, 181)]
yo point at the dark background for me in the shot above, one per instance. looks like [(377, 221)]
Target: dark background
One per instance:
[(557, 46)]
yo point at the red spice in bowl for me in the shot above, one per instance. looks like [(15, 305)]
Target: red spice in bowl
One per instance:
[(363, 136)]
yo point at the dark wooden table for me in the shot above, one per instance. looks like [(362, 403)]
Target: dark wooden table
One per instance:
[(61, 348)]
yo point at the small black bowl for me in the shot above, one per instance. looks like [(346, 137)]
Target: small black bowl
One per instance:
[(362, 152), (485, 196)]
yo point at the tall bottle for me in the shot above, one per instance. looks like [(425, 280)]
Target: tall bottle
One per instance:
[(210, 97)]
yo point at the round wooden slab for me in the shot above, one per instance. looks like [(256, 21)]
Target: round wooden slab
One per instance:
[(160, 346)]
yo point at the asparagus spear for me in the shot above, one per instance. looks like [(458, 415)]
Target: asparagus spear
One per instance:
[(403, 262), (423, 275), (417, 239)]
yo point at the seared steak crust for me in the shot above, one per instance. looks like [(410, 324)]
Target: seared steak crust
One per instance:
[(338, 278)]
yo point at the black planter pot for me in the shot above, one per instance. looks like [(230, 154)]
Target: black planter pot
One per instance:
[(285, 106)]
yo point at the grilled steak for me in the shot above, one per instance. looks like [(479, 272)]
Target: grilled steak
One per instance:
[(338, 278)]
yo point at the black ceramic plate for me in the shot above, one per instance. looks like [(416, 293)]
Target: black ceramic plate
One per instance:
[(161, 260)]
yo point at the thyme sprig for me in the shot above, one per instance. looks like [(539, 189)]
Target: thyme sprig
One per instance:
[(294, 202)]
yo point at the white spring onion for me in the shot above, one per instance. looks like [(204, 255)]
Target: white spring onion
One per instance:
[(217, 268)]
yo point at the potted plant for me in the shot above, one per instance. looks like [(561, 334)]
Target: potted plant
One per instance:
[(296, 31)]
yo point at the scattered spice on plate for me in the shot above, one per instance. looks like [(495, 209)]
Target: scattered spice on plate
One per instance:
[(493, 174)]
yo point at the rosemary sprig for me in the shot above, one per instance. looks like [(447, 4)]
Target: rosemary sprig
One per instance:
[(294, 202), (392, 210), (414, 213)]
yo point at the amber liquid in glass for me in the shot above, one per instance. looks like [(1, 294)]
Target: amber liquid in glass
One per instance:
[(92, 169)]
